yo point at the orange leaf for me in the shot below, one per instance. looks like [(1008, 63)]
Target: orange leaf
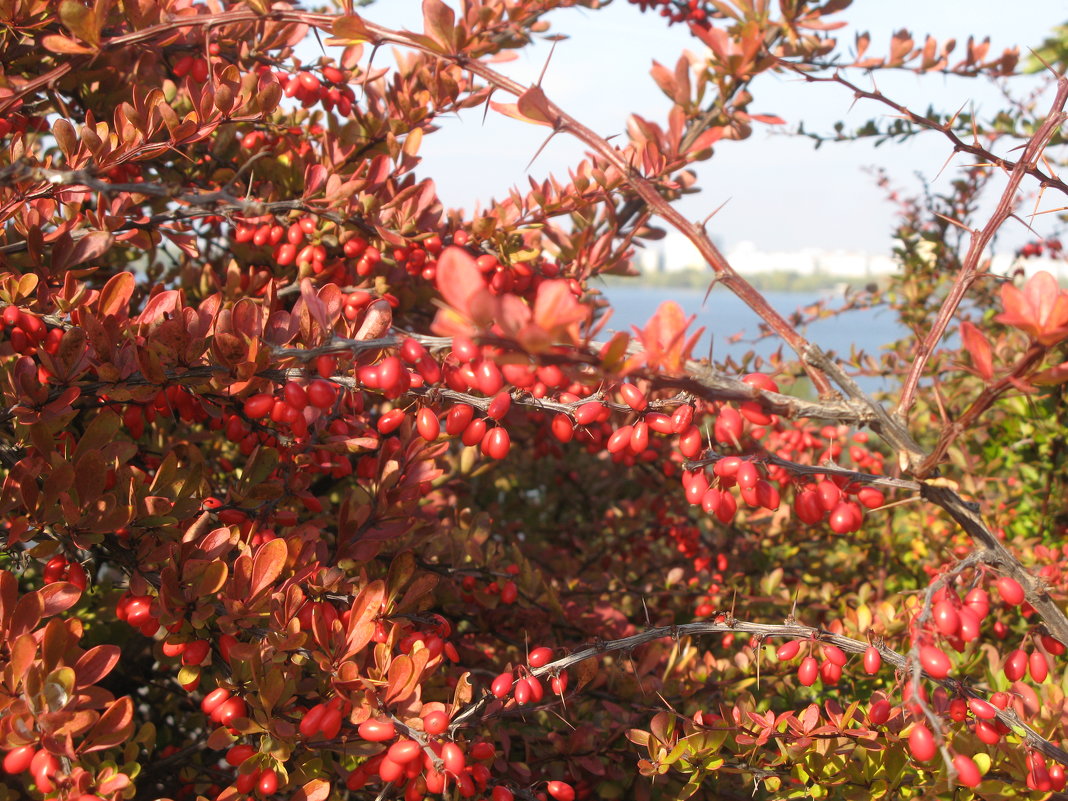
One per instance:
[(115, 296), (558, 311), (1040, 310), (664, 338)]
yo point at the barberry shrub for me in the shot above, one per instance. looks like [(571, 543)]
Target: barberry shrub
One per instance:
[(314, 489)]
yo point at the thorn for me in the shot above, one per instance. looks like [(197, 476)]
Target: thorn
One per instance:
[(957, 223), (552, 49), (538, 153), (1044, 63), (946, 164)]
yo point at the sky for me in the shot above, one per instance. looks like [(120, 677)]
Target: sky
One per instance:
[(775, 190)]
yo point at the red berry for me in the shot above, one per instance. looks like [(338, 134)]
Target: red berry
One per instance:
[(238, 754), (404, 751), (496, 443), (1016, 665), (391, 421), (946, 618), (561, 791), (873, 660), (502, 685), (540, 657), (808, 671), (1010, 590), (982, 709), (879, 712), (788, 650), (212, 700), (967, 770), (295, 395), (259, 406), (987, 732), (633, 397), (268, 783), (321, 394), (978, 601), (453, 757), (871, 497), (834, 654), (958, 709), (499, 406), (562, 427), (377, 731), (935, 661), (435, 723), (922, 743), (18, 760), (427, 424), (1038, 665)]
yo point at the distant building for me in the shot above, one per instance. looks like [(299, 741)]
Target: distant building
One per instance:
[(675, 253)]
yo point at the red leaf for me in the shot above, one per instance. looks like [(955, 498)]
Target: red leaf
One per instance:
[(462, 287), (979, 349), (114, 727), (267, 564), (364, 610), (166, 302), (90, 246), (96, 663), (58, 597)]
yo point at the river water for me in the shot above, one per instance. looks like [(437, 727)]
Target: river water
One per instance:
[(723, 315)]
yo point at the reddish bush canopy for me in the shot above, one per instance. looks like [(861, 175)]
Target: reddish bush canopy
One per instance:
[(313, 489)]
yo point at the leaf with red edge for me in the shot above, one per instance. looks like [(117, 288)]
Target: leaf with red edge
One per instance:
[(96, 663), (978, 348), (9, 595)]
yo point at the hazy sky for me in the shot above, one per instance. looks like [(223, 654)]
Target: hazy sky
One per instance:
[(779, 191)]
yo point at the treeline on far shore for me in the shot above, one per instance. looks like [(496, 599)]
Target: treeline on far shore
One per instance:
[(777, 281)]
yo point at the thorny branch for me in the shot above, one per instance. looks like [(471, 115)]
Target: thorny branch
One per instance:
[(477, 710)]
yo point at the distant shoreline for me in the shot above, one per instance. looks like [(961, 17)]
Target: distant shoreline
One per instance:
[(778, 281)]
